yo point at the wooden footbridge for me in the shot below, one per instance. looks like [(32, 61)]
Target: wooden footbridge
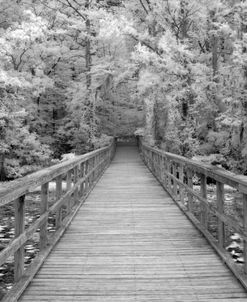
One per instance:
[(128, 240)]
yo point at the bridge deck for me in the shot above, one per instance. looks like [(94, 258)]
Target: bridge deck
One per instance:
[(130, 242)]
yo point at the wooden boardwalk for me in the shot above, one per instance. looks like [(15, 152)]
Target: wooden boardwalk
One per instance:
[(130, 242)]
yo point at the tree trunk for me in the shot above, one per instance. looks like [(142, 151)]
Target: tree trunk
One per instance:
[(150, 121), (215, 55), (90, 98), (3, 175)]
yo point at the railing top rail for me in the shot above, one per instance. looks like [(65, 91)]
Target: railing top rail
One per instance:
[(22, 186), (219, 174)]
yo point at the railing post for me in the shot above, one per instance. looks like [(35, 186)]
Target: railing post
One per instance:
[(153, 162), (76, 198), (93, 166), (89, 170), (82, 173), (181, 178), (58, 195), (190, 185), (203, 206), (161, 167), (162, 171), (86, 173), (174, 172), (169, 185), (245, 230), (68, 188), (43, 210), (19, 229), (220, 208)]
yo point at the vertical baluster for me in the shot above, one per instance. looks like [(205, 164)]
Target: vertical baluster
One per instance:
[(167, 171), (245, 230), (162, 171), (181, 178), (76, 195), (153, 161), (164, 167), (158, 166), (93, 166), (161, 163), (81, 176), (89, 170), (86, 173), (204, 215), (169, 168), (68, 188), (19, 229), (44, 209), (58, 195), (107, 161), (220, 208), (98, 164), (174, 170), (190, 185)]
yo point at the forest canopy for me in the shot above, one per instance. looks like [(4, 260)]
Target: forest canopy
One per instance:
[(74, 73)]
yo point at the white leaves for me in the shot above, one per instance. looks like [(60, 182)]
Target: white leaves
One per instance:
[(147, 80), (28, 31), (144, 55), (12, 78)]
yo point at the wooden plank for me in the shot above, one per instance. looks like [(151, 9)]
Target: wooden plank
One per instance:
[(175, 184), (130, 242), (204, 214), (242, 277), (190, 185), (19, 229), (43, 210), (220, 208), (68, 188), (58, 195), (181, 178), (31, 271)]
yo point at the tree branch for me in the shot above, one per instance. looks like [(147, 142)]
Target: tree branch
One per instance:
[(76, 10), (17, 66), (149, 5), (201, 47), (142, 4), (53, 66), (147, 45)]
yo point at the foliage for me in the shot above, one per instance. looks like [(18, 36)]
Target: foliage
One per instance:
[(22, 150), (191, 60)]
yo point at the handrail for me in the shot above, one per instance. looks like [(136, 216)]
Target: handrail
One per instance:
[(80, 174), (176, 173)]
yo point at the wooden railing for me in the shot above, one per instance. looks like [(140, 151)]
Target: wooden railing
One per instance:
[(80, 176), (187, 183)]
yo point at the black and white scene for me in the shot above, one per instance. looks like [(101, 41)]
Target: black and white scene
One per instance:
[(123, 150)]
